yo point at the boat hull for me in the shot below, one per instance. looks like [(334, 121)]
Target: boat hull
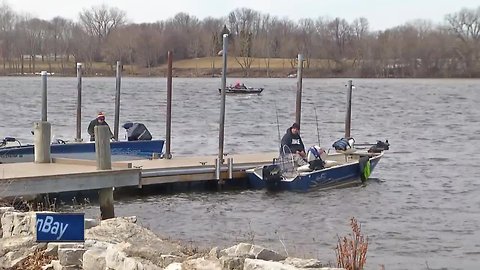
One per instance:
[(121, 150), (333, 177), (241, 90)]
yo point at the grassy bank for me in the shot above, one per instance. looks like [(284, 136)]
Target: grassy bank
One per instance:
[(198, 67)]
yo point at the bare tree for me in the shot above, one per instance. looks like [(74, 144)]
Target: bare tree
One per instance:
[(212, 38), (100, 21), (243, 23), (360, 35), (150, 45), (465, 25), (7, 22)]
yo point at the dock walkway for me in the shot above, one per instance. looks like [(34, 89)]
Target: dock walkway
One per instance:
[(63, 175)]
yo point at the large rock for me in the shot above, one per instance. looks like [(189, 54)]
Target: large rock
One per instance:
[(303, 263), (2, 211), (135, 241), (252, 251), (232, 263), (254, 264), (201, 264), (94, 259), (174, 266), (14, 250), (118, 260), (70, 256), (18, 224)]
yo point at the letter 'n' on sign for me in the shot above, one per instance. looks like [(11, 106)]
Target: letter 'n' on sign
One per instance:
[(60, 227)]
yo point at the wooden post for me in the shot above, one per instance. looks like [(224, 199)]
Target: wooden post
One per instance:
[(42, 133), (78, 138), (117, 101), (348, 117), (104, 162), (168, 138), (298, 111)]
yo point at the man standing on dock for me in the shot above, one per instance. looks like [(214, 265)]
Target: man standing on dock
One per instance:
[(99, 121)]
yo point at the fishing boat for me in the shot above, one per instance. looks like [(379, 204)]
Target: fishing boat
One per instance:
[(323, 170), (241, 89), (121, 150)]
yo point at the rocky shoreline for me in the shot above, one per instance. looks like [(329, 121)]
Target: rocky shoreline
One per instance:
[(120, 243)]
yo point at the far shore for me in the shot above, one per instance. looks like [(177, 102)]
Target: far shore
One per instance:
[(206, 73), (208, 67)]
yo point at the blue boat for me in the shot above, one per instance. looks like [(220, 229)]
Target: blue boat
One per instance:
[(121, 150), (339, 169)]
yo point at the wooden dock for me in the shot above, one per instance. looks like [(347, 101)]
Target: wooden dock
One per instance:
[(63, 175)]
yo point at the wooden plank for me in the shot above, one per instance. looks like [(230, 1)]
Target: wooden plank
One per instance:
[(182, 162), (88, 162), (27, 170), (187, 178), (68, 182)]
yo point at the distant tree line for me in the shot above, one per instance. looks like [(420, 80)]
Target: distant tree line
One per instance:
[(103, 34)]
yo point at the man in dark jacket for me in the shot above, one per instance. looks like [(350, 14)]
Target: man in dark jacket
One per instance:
[(294, 142), (99, 121)]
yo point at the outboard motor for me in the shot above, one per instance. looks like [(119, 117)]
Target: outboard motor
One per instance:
[(137, 132), (379, 147), (272, 175)]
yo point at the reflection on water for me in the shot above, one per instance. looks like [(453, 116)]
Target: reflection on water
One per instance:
[(421, 210)]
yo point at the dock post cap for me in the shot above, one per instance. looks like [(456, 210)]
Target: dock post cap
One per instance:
[(79, 65)]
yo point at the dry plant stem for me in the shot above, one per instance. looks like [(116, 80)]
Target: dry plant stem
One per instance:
[(352, 252)]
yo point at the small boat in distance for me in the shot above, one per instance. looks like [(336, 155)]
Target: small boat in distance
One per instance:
[(240, 88)]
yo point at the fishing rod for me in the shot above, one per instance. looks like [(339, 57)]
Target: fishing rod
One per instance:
[(316, 121), (278, 124)]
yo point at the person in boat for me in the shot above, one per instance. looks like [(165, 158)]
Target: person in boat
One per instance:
[(99, 121), (136, 132), (237, 85), (294, 142)]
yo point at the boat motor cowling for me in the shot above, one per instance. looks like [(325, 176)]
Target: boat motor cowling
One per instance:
[(379, 147), (272, 175), (137, 132)]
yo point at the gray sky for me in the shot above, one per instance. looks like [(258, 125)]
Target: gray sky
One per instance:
[(381, 14)]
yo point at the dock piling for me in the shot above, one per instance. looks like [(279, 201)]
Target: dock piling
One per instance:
[(221, 134), (348, 117), (218, 167), (44, 95), (78, 137), (298, 111), (168, 154), (117, 100), (230, 168), (104, 162), (42, 137)]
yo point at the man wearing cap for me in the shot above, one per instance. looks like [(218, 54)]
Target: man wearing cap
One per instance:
[(99, 121), (294, 142)]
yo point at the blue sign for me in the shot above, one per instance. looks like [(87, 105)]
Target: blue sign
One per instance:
[(60, 227)]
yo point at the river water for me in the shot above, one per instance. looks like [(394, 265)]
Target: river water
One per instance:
[(420, 211)]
